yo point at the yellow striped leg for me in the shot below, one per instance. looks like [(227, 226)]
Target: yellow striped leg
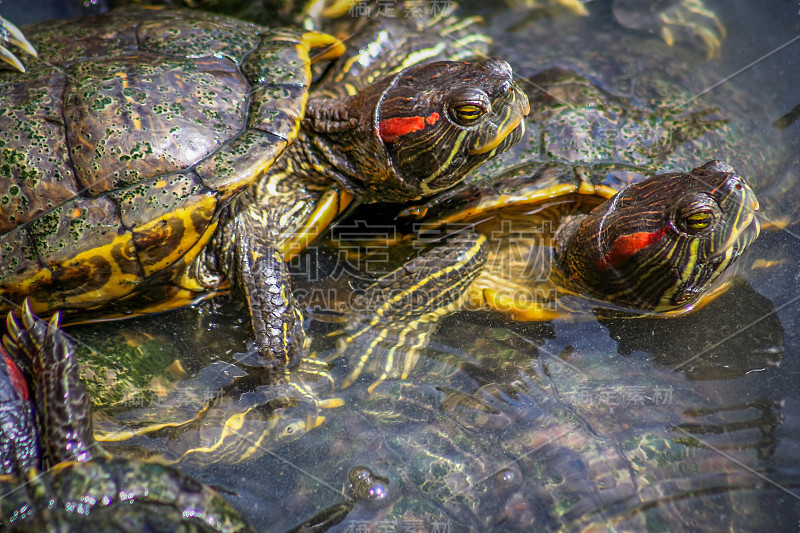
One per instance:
[(395, 317)]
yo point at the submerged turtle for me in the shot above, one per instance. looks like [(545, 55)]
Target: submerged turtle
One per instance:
[(141, 165), (80, 484), (674, 20), (509, 438), (221, 417)]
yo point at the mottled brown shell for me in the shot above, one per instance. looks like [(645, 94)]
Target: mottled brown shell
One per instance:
[(119, 148)]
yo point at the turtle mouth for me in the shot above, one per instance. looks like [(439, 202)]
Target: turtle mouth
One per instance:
[(513, 121), (745, 235), (746, 226)]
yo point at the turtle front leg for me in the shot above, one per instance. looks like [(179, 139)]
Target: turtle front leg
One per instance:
[(260, 274), (12, 35), (397, 315)]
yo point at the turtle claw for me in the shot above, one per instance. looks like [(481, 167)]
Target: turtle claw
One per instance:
[(9, 33), (55, 322), (12, 327), (10, 345), (28, 318)]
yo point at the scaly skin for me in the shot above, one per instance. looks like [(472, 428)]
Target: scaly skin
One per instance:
[(116, 493)]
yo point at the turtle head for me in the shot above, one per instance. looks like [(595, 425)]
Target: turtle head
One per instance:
[(441, 120), (421, 130), (659, 245)]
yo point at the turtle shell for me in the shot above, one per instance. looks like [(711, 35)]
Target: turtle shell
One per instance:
[(117, 153)]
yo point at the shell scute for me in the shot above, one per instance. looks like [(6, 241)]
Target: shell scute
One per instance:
[(278, 109), (280, 73), (277, 61), (35, 172), (130, 119), (70, 41), (207, 36), (238, 165), (167, 215), (89, 254)]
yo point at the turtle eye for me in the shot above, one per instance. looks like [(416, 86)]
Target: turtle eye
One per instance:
[(466, 114), (697, 222), (695, 219), (469, 107), (695, 214)]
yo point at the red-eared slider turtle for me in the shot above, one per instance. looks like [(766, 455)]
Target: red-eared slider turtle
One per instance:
[(657, 247), (75, 484), (141, 165), (221, 417)]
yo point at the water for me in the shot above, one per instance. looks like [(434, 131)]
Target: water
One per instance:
[(622, 424)]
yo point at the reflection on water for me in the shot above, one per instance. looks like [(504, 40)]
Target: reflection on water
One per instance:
[(741, 316), (664, 425)]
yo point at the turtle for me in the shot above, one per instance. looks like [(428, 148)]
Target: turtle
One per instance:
[(575, 221), (220, 416), (75, 483), (148, 172), (604, 117)]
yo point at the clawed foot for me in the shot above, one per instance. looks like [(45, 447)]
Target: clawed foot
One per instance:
[(681, 20), (12, 35)]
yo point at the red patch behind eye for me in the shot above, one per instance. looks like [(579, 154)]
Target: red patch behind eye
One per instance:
[(16, 377), (627, 245), (392, 128)]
